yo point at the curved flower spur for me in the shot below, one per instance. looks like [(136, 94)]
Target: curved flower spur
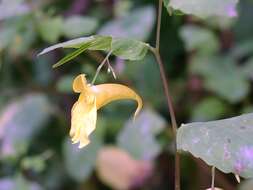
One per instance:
[(92, 98)]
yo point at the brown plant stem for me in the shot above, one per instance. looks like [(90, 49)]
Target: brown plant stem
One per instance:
[(165, 82), (213, 178)]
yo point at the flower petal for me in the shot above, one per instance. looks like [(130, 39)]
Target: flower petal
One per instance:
[(106, 93), (83, 121), (80, 83)]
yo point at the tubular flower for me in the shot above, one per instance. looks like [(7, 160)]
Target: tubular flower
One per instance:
[(92, 98)]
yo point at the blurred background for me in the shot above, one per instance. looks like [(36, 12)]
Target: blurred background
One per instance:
[(209, 64)]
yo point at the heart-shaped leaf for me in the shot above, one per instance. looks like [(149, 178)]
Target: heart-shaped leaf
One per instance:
[(20, 121), (204, 8), (196, 38), (54, 25), (226, 144), (137, 24), (233, 86), (129, 49), (145, 127), (208, 109), (76, 26), (81, 162)]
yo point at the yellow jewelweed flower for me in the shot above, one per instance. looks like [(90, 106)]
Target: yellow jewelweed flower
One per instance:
[(92, 98)]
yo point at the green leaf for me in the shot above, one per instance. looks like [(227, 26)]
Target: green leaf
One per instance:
[(65, 84), (145, 127), (76, 26), (73, 54), (166, 3), (81, 162), (124, 48), (242, 49), (24, 37), (101, 43), (221, 76), (208, 109), (98, 43), (247, 109), (50, 29), (7, 33), (226, 144), (126, 27), (247, 68), (1, 62), (204, 8), (129, 49), (20, 121), (35, 163), (43, 74), (76, 43), (242, 31), (196, 38)]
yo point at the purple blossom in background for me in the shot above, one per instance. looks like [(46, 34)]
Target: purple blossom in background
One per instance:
[(231, 11), (9, 8)]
